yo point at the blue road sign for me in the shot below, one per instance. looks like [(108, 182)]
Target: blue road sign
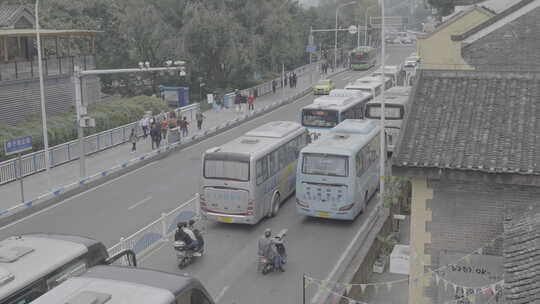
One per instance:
[(18, 145), (311, 48)]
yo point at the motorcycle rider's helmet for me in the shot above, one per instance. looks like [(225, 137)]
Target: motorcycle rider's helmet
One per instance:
[(267, 232), (181, 225), (191, 222)]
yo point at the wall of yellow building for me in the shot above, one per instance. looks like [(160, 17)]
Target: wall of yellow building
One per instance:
[(438, 51), (420, 215)]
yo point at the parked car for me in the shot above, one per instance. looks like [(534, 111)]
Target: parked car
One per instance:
[(323, 87)]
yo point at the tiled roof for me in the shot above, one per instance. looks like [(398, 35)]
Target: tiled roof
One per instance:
[(6, 14), (471, 120), (493, 20), (522, 257)]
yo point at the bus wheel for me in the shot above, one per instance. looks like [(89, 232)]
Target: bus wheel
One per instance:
[(275, 204)]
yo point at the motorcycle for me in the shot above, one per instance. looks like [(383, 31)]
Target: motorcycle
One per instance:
[(185, 256), (266, 265)]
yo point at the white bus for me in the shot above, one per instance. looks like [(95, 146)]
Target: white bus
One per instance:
[(328, 111), (127, 285), (391, 71), (370, 85), (396, 102), (249, 177), (339, 173), (32, 264)]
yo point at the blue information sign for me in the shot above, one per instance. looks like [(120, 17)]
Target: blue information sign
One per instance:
[(311, 48), (18, 145)]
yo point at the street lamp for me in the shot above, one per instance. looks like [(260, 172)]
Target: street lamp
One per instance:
[(366, 22), (383, 131), (42, 98), (336, 30)]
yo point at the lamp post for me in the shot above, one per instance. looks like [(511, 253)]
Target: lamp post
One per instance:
[(383, 133), (336, 30), (42, 99), (366, 24)]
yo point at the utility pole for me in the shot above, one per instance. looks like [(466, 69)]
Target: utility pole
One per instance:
[(383, 131)]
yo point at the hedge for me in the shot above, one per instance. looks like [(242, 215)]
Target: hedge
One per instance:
[(62, 128)]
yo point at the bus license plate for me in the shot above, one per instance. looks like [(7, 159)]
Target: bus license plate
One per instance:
[(323, 214), (225, 219)]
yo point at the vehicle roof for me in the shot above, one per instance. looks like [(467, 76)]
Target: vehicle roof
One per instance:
[(260, 138), (387, 69), (24, 259), (346, 138), (324, 80), (122, 284), (336, 102), (394, 95), (346, 93), (367, 82)]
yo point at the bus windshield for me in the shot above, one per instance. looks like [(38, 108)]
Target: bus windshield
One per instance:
[(226, 169), (373, 111), (319, 118), (325, 164)]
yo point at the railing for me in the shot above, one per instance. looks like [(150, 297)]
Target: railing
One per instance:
[(157, 232), (35, 162), (28, 69)]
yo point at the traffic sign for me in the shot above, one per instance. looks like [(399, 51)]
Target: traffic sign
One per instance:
[(18, 145), (311, 48), (353, 29)]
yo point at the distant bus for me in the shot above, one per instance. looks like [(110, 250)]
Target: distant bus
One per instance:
[(370, 85), (249, 177), (118, 284), (339, 173), (396, 102), (391, 71), (32, 264), (363, 58), (328, 111)]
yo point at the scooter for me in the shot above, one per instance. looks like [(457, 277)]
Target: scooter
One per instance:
[(186, 256), (265, 265)]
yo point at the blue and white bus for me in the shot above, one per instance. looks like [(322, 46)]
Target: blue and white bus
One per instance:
[(338, 174), (328, 111)]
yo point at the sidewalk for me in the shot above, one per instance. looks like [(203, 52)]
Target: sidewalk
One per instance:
[(38, 184)]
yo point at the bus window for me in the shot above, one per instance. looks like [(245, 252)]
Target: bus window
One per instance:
[(226, 169), (323, 164), (319, 118)]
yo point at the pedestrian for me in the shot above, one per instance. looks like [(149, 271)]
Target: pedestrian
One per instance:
[(251, 100), (294, 80), (144, 125), (184, 126), (157, 134), (133, 140), (200, 117), (291, 81), (285, 78), (274, 86), (164, 127), (153, 135), (238, 101)]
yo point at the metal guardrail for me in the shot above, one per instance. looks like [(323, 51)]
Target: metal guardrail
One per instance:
[(157, 232), (35, 162)]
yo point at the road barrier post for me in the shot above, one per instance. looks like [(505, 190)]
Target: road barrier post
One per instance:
[(164, 226), (198, 204)]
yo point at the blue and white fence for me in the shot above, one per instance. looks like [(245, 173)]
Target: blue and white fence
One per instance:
[(35, 162)]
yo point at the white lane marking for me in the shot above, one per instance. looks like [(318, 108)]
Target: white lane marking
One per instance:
[(221, 294), (76, 196), (332, 273), (140, 203)]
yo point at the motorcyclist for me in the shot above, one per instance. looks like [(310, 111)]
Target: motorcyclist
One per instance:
[(197, 233), (269, 250), (186, 235)]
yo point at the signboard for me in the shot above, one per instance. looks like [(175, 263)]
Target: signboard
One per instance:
[(311, 48), (353, 29), (18, 145), (210, 98)]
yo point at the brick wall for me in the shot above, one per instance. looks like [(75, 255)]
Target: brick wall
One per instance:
[(514, 46), (466, 216)]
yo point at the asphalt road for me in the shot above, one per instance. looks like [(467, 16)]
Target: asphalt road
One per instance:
[(124, 205)]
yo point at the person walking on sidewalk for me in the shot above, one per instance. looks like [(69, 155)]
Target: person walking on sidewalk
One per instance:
[(133, 138), (294, 80), (144, 125), (184, 127), (285, 79), (200, 117), (250, 101), (238, 101), (274, 86), (164, 127), (153, 135)]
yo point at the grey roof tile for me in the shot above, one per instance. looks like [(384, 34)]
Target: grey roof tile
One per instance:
[(470, 120)]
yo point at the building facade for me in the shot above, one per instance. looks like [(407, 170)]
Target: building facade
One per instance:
[(469, 145)]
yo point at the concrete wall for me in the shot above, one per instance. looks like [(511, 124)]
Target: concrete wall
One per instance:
[(513, 46), (439, 52), (459, 218), (18, 99)]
